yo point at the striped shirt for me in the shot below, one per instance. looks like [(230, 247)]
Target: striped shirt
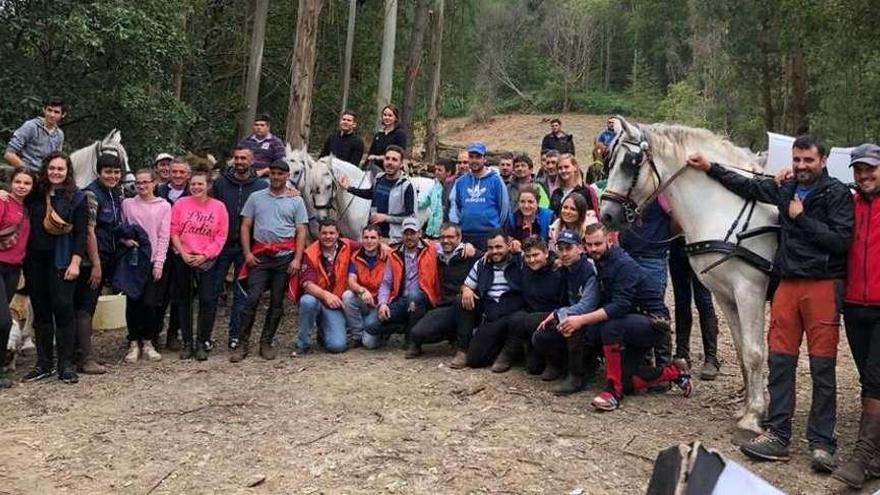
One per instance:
[(499, 281)]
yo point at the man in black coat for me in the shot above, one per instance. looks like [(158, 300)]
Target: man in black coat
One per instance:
[(345, 144)]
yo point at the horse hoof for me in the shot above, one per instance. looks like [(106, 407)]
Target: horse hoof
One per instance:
[(741, 437)]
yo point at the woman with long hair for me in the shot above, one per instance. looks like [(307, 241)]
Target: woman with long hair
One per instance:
[(575, 215), (199, 227), (153, 214), (571, 181), (529, 219), (390, 133), (15, 228), (58, 216)]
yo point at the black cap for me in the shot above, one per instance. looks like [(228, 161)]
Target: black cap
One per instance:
[(280, 164)]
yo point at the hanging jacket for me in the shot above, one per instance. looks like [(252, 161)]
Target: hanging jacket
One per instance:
[(133, 265)]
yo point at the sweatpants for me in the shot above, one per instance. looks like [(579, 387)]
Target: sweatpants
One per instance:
[(142, 315)]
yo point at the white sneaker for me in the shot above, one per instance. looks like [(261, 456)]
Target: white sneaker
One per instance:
[(150, 352), (134, 352)]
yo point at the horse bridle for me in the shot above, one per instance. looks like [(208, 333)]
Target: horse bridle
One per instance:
[(636, 160)]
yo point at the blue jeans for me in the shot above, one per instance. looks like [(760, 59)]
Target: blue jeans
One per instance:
[(332, 325), (358, 314), (399, 309), (656, 270), (231, 255)]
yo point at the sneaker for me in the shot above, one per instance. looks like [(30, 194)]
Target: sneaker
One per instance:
[(37, 374), (709, 371), (605, 401), (68, 376), (201, 353), (413, 350), (267, 352), (766, 447), (234, 343), (459, 361), (92, 367), (822, 461), (684, 377), (238, 354), (186, 352), (134, 352), (209, 345), (150, 352)]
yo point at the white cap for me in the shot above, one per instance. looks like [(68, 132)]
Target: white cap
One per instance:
[(163, 156)]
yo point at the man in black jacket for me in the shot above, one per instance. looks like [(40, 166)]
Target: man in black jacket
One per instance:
[(439, 323), (233, 188), (345, 144), (816, 218), (557, 140)]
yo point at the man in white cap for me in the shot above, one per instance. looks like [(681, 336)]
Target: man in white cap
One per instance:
[(162, 164)]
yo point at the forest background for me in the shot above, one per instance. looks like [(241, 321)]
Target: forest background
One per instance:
[(172, 73)]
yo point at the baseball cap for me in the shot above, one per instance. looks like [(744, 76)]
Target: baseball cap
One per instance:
[(163, 156), (867, 153), (477, 147), (568, 236), (410, 224), (280, 165)]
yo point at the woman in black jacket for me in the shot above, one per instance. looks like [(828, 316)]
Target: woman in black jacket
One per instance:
[(58, 216), (389, 134)]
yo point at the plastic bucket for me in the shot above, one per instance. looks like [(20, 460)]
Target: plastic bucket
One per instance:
[(110, 313)]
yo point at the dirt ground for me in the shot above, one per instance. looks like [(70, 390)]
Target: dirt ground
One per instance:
[(368, 421)]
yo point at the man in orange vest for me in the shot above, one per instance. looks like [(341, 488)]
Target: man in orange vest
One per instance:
[(324, 281), (409, 286), (365, 272)]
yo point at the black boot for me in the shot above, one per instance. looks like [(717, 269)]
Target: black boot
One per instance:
[(509, 353), (574, 381), (852, 472)]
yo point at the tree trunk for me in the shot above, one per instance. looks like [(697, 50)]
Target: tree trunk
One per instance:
[(255, 66), (413, 66), (386, 66), (178, 70), (302, 73), (799, 122), (609, 34), (434, 62), (349, 50)]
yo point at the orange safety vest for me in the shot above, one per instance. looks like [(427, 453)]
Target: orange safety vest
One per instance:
[(429, 279), (340, 267), (371, 278)]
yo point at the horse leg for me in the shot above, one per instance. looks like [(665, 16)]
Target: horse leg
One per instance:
[(753, 352), (728, 307)]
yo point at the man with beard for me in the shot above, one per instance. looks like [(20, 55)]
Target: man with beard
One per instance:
[(234, 188), (410, 285), (548, 176), (557, 140), (478, 201), (580, 297), (345, 144), (816, 218), (490, 295), (272, 253), (543, 290), (631, 320), (454, 261)]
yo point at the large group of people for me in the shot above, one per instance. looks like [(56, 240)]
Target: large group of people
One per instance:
[(513, 266)]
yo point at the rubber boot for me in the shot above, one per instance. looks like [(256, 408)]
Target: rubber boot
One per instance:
[(852, 472), (574, 382), (86, 364)]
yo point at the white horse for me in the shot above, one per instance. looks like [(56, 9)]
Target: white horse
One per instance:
[(324, 198), (85, 159), (645, 160)]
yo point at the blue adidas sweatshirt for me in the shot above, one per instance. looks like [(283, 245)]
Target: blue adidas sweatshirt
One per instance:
[(479, 204)]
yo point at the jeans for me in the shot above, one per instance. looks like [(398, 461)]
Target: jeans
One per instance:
[(231, 255), (655, 268), (270, 274), (403, 310), (358, 314), (9, 276), (52, 300), (332, 325)]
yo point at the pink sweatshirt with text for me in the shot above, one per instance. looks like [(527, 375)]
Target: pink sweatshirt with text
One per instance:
[(155, 218), (201, 226)]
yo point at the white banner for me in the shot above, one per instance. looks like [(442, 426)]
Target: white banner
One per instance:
[(779, 157)]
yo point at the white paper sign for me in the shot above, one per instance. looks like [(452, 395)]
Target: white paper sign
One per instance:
[(779, 157)]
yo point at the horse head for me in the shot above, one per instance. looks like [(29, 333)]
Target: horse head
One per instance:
[(315, 180), (632, 176)]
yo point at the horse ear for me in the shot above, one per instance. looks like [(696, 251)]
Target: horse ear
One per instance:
[(287, 149)]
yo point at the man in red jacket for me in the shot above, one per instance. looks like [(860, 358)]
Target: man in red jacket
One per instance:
[(862, 313)]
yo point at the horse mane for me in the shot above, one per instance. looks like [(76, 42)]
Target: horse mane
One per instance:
[(672, 138)]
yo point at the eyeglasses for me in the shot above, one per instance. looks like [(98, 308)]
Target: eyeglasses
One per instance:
[(463, 161), (143, 182)]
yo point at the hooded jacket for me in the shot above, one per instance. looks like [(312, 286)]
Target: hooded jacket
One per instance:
[(479, 204), (233, 193)]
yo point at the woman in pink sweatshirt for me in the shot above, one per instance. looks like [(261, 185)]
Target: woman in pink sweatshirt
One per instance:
[(199, 226), (153, 214), (14, 229)]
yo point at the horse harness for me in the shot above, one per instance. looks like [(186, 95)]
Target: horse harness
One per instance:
[(636, 161)]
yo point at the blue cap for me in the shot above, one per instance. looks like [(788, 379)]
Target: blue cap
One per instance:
[(868, 154), (568, 236), (477, 147)]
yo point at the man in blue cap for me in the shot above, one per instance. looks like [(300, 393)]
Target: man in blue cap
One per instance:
[(478, 202)]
